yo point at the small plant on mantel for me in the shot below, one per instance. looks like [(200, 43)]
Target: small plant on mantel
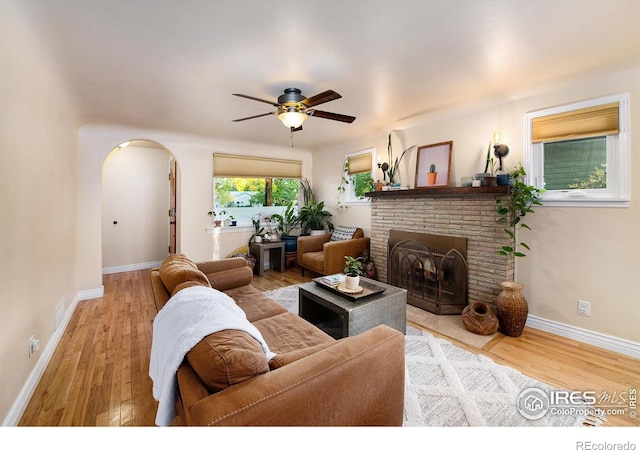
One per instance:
[(522, 199)]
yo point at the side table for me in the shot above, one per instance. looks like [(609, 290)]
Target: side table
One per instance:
[(276, 256)]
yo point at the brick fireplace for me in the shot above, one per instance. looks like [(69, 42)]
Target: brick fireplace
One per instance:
[(456, 211)]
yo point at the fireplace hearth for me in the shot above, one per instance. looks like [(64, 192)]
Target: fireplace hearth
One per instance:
[(432, 268)]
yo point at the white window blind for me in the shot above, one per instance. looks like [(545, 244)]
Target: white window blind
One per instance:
[(238, 166), (600, 120), (359, 163)]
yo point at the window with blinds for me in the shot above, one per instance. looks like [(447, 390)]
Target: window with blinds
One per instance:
[(357, 176), (580, 153), (248, 187)]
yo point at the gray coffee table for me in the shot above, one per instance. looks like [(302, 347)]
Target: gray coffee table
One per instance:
[(319, 306)]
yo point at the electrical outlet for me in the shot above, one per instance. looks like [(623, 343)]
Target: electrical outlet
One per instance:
[(34, 345), (584, 308)]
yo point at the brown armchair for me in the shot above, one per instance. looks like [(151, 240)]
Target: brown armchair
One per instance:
[(321, 255)]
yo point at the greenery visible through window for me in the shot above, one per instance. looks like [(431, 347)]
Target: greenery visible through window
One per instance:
[(362, 183), (576, 164), (244, 198)]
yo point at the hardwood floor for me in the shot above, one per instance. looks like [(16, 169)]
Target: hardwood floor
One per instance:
[(98, 375)]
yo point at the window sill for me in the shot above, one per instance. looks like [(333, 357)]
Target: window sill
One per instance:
[(587, 203), (224, 230), (366, 202)]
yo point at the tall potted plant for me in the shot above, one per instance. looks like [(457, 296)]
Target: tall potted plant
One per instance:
[(314, 218), (392, 171), (512, 306), (522, 199), (286, 224)]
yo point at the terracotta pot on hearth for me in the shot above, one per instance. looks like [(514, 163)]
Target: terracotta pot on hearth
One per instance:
[(513, 308), (479, 319)]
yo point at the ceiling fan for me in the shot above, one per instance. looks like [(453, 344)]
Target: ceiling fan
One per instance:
[(293, 108)]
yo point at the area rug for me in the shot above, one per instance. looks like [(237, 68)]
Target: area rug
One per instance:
[(448, 386)]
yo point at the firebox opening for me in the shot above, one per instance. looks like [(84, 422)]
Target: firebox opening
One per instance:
[(432, 268)]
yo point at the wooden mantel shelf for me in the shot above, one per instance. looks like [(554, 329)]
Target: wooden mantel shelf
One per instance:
[(440, 192)]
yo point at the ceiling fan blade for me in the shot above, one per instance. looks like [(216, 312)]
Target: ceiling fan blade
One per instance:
[(270, 102), (253, 117), (323, 97), (331, 116)]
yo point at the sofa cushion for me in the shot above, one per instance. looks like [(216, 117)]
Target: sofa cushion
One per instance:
[(254, 303), (178, 269), (227, 357), (287, 332), (282, 359), (342, 233), (313, 261)]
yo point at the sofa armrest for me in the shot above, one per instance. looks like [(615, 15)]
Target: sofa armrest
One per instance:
[(219, 265), (230, 279), (358, 381), (334, 253), (227, 273), (191, 390), (160, 293)]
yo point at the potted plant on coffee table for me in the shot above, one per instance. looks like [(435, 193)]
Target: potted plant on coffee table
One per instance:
[(352, 270)]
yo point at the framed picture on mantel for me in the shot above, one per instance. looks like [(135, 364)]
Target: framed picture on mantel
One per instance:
[(433, 165)]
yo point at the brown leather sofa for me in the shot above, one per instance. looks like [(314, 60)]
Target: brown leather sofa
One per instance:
[(321, 255), (313, 379)]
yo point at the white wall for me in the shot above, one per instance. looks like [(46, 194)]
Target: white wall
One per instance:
[(38, 168), (195, 159), (578, 253), (135, 193)]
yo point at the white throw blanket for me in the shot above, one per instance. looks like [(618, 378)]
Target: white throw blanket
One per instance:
[(189, 316)]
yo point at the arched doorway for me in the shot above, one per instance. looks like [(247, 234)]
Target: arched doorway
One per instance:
[(139, 209)]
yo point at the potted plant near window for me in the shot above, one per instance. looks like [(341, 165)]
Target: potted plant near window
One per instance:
[(314, 218), (512, 307), (352, 271), (217, 222), (286, 224), (258, 229)]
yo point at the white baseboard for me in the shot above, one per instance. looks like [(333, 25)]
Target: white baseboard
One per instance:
[(17, 409), (131, 267), (90, 293), (594, 338)]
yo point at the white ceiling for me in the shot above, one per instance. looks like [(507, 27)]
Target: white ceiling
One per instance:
[(173, 65)]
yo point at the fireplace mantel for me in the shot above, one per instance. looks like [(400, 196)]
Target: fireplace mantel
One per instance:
[(440, 192)]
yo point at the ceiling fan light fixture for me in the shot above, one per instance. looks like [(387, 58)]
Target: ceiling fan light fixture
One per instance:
[(292, 119)]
